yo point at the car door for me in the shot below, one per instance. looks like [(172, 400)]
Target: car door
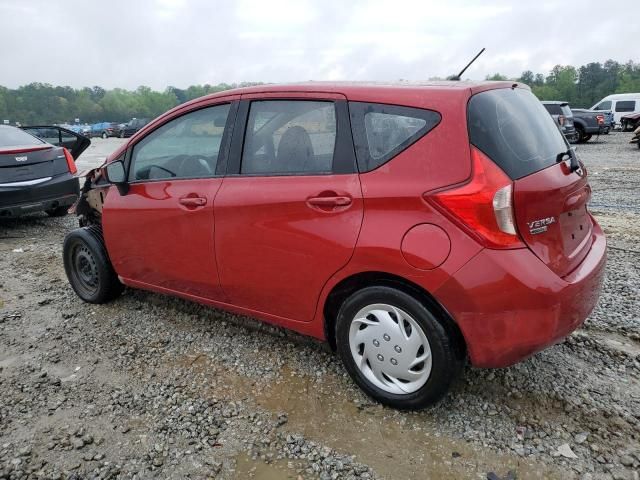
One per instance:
[(61, 137), (160, 233), (289, 210)]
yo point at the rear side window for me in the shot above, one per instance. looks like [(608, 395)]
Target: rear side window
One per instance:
[(625, 106), (289, 137), (380, 132), (513, 128)]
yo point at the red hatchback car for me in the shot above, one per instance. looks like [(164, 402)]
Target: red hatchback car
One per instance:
[(409, 226)]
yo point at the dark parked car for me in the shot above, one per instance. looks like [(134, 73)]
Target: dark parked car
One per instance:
[(37, 167), (132, 127), (630, 122), (588, 123), (411, 227), (104, 129), (563, 116)]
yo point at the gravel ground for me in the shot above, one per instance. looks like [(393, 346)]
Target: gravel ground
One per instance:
[(153, 387)]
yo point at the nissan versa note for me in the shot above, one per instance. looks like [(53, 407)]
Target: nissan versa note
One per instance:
[(411, 227)]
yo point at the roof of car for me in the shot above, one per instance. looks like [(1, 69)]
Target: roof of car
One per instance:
[(554, 102), (347, 88)]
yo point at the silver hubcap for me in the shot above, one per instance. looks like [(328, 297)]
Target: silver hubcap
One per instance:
[(390, 349)]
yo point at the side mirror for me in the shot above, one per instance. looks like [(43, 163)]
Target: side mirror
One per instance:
[(117, 175)]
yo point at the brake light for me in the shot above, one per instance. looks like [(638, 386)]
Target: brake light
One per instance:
[(561, 120), (483, 206), (600, 119), (71, 163)]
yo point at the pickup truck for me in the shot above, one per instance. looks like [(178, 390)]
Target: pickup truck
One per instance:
[(588, 123)]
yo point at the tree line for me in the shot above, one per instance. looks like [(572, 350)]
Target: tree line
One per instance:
[(584, 86), (41, 103)]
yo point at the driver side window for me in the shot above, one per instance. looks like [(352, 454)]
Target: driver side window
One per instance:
[(185, 147)]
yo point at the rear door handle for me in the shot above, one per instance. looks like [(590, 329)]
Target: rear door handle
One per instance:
[(328, 202), (193, 201)]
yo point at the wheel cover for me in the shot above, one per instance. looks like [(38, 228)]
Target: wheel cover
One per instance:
[(390, 349), (85, 269)]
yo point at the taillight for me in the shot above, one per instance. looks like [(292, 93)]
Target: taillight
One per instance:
[(71, 163), (561, 120), (483, 206), (600, 119)]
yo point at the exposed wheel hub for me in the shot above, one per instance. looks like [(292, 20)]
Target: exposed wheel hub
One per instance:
[(86, 268)]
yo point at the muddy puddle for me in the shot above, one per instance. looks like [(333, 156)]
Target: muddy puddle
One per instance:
[(247, 468), (395, 444)]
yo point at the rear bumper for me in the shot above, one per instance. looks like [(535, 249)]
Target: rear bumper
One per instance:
[(60, 191), (509, 305)]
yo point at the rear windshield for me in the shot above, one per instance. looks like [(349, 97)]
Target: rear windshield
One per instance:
[(12, 137), (513, 128)]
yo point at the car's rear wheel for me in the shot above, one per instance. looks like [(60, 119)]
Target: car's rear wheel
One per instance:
[(395, 348), (580, 135), (57, 212), (88, 267), (104, 135)]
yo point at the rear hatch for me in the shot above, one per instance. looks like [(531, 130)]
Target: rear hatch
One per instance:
[(24, 157), (512, 128)]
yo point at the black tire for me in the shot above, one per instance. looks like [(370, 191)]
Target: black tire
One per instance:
[(104, 135), (121, 134), (57, 212), (88, 267), (580, 135), (447, 354)]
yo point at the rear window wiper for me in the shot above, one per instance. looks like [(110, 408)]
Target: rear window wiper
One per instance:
[(575, 164)]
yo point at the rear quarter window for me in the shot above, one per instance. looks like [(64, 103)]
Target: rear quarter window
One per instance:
[(380, 131), (512, 127), (553, 109)]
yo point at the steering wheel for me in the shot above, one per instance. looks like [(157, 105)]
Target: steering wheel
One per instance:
[(172, 174), (197, 165)]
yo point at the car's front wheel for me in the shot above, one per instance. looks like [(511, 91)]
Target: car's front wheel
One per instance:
[(88, 267), (395, 348)]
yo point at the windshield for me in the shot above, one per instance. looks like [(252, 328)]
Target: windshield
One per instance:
[(512, 127), (12, 136)]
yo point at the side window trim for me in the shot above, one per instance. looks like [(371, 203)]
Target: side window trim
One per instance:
[(223, 154), (344, 157), (357, 112)]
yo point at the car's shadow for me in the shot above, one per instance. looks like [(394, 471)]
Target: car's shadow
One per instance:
[(23, 226)]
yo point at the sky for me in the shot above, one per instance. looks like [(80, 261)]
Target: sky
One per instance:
[(185, 42)]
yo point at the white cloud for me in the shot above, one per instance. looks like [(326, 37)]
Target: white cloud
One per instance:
[(180, 42)]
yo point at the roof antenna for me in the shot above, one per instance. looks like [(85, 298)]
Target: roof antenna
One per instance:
[(457, 77)]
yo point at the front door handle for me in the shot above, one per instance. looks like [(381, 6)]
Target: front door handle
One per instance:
[(330, 202), (193, 201)]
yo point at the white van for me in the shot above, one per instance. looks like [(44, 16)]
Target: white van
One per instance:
[(620, 104)]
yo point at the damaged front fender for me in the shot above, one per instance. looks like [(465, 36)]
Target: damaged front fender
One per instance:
[(88, 208)]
